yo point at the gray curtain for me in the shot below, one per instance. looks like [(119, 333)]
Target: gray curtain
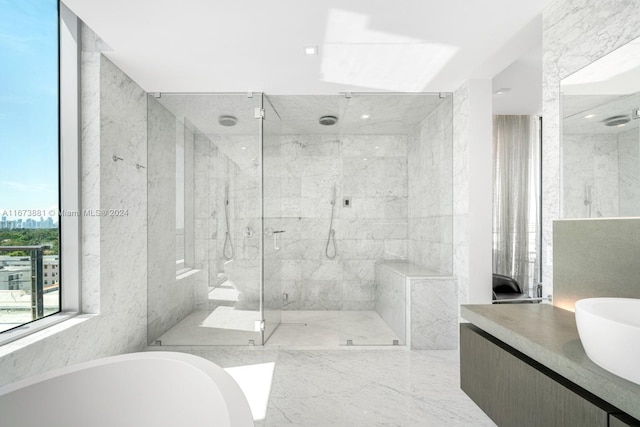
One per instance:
[(516, 160)]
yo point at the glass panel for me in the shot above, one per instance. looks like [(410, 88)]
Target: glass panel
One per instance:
[(302, 172), (183, 140), (344, 195), (29, 232), (397, 180), (215, 299), (272, 217)]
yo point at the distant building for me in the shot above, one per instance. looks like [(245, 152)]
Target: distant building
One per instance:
[(19, 223), (51, 268), (15, 272)]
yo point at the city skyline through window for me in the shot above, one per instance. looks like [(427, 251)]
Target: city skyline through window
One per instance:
[(29, 167)]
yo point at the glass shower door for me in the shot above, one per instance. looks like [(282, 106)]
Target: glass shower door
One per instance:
[(273, 226), (204, 219)]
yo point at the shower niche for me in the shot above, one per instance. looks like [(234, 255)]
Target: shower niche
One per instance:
[(268, 213)]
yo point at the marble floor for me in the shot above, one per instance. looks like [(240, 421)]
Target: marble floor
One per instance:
[(303, 328), (351, 386), (218, 327), (326, 329)]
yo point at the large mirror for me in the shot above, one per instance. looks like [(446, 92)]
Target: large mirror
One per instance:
[(600, 148)]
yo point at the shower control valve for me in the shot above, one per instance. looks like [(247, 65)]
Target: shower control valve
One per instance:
[(275, 238)]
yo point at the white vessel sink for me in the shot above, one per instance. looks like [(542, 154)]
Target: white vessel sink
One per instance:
[(609, 329)]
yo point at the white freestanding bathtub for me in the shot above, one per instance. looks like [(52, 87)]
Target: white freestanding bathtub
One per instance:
[(155, 389)]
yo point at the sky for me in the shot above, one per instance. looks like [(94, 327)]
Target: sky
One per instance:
[(28, 104)]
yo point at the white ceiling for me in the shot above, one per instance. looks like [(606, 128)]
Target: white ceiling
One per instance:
[(364, 45), (524, 79), (384, 114)]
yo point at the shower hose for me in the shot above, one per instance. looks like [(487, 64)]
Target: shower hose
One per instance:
[(227, 237), (331, 239)]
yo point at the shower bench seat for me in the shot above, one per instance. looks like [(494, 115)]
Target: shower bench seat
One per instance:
[(419, 305)]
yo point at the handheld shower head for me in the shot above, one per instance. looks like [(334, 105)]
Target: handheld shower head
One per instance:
[(333, 197)]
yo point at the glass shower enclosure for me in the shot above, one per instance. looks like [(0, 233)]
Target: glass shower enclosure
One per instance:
[(267, 214)]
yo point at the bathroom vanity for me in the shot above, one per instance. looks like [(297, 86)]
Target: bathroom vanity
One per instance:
[(524, 365)]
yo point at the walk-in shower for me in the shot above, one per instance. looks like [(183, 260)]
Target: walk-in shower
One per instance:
[(291, 207)]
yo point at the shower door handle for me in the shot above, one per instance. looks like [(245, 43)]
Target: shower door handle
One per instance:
[(275, 239)]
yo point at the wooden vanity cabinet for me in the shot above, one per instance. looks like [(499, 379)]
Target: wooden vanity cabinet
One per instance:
[(515, 390)]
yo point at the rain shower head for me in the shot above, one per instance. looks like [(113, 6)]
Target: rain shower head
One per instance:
[(227, 120), (328, 120)]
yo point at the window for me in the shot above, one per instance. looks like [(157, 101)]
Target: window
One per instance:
[(39, 177)]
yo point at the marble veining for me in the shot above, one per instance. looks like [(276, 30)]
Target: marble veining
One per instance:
[(420, 305), (300, 173), (356, 387), (430, 190), (460, 208), (590, 176), (575, 33), (629, 173)]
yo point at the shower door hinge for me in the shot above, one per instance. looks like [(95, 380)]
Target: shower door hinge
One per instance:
[(259, 326), (258, 113)]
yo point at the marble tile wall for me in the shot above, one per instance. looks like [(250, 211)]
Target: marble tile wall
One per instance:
[(589, 165), (430, 191), (205, 221), (629, 173), (391, 300), (218, 174), (610, 165), (189, 193), (575, 33), (114, 255), (123, 251), (169, 300), (461, 191), (300, 173), (420, 306), (434, 313)]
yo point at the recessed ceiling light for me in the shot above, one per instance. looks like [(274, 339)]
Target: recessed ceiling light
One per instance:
[(311, 50), (244, 148), (365, 116), (589, 116), (377, 146), (502, 91), (365, 159)]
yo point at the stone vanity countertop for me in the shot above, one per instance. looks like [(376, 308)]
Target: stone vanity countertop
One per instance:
[(405, 268), (549, 335)]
